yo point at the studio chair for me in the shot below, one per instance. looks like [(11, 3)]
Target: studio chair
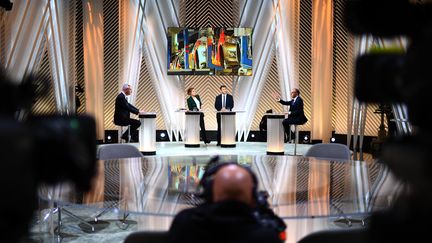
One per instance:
[(296, 132), (331, 151), (117, 151), (338, 152), (111, 152), (148, 237)]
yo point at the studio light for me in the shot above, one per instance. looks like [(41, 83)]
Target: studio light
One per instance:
[(306, 139), (333, 139), (162, 135), (252, 135)]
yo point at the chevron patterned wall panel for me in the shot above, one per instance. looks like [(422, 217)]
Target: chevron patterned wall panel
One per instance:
[(343, 73), (209, 13), (266, 99), (146, 98), (70, 8), (305, 58), (111, 60), (79, 55), (2, 37), (45, 102)]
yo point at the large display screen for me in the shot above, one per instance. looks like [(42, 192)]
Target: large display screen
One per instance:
[(209, 51)]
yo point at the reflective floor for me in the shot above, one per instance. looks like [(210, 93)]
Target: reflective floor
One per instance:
[(145, 193)]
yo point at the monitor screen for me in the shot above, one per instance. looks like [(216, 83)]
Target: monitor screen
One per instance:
[(209, 51)]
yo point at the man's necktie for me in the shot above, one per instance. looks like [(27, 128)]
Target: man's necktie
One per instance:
[(223, 100)]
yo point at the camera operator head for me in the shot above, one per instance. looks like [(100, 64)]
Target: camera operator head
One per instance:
[(233, 182)]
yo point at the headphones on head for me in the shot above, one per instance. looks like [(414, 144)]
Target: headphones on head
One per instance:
[(262, 212), (212, 168)]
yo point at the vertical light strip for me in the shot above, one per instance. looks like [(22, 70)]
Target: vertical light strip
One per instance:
[(288, 73), (60, 55), (322, 69), (17, 37), (22, 27), (93, 61)]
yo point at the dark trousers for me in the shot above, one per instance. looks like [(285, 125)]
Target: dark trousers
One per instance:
[(287, 124), (134, 124), (218, 118), (202, 126), (263, 132)]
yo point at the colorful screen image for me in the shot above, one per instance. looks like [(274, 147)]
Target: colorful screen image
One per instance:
[(185, 177), (210, 51)]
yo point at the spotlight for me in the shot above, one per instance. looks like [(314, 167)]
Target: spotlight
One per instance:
[(162, 135), (333, 139), (252, 135), (306, 139), (109, 137)]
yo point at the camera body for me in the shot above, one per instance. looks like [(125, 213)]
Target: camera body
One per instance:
[(399, 77), (38, 150), (394, 76)]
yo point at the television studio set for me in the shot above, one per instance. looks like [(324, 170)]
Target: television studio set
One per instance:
[(215, 121)]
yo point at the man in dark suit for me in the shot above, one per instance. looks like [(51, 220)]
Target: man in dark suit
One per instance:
[(296, 114), (223, 102), (122, 111)]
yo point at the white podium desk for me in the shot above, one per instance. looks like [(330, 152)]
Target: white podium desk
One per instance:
[(147, 133), (275, 134), (228, 129), (192, 129)]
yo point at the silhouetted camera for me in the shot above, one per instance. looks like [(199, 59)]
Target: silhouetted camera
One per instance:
[(394, 76), (38, 149), (398, 77)]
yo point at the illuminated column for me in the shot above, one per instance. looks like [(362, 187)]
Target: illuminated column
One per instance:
[(228, 129), (93, 62), (147, 134), (275, 134), (322, 69), (192, 133)]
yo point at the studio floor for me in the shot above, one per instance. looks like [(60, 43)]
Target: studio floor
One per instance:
[(309, 194)]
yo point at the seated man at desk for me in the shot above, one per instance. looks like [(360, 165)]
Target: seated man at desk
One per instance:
[(296, 113), (229, 213), (122, 112)]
